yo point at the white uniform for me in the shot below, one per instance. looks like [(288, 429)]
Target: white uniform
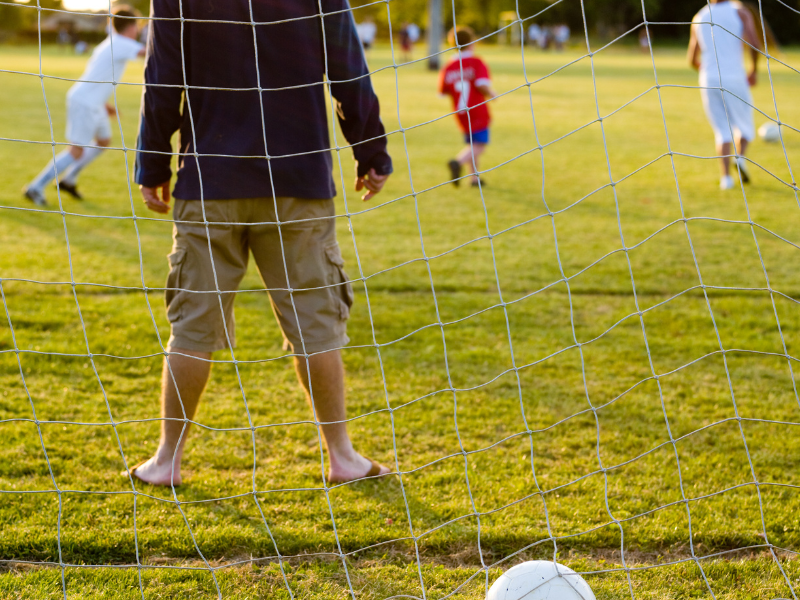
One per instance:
[(367, 32), (87, 118), (413, 33), (561, 34), (722, 65), (534, 33)]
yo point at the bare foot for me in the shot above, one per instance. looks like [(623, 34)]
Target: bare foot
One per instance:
[(156, 472), (357, 468)]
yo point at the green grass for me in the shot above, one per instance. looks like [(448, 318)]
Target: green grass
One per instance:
[(460, 509)]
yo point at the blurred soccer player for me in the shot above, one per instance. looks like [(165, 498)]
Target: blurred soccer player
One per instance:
[(718, 53), (255, 151), (466, 80), (367, 31), (534, 33), (87, 107)]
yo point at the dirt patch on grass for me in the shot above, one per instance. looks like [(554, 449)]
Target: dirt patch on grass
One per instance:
[(458, 557)]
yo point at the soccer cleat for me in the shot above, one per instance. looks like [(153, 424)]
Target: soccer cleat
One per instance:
[(455, 172), (35, 196), (71, 189), (478, 182), (743, 174), (726, 182)]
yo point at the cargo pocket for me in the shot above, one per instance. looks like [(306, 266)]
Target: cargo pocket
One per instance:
[(173, 285), (341, 289)]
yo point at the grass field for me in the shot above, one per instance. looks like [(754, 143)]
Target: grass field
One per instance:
[(541, 426)]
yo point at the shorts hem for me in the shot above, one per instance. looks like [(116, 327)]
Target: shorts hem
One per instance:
[(477, 137), (336, 343), (187, 344), (728, 139)]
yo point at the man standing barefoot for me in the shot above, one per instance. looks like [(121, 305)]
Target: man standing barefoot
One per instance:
[(247, 92)]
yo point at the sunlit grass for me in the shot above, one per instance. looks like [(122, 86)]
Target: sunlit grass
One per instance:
[(522, 413)]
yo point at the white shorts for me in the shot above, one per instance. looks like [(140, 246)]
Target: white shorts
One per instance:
[(85, 124), (734, 114)]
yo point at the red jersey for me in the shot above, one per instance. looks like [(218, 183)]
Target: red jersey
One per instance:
[(460, 80)]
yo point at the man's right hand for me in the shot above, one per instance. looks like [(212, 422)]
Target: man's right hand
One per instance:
[(752, 78), (156, 198)]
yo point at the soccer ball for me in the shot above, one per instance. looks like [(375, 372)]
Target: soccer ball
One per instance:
[(769, 132), (539, 580)]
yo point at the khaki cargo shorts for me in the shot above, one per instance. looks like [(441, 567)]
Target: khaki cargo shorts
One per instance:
[(312, 317)]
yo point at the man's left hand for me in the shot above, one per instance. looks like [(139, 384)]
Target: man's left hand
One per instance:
[(752, 79), (151, 198), (373, 182)]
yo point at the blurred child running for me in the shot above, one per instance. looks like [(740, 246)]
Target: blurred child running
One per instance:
[(466, 80)]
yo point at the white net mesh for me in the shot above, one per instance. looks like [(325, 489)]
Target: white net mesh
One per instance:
[(467, 458)]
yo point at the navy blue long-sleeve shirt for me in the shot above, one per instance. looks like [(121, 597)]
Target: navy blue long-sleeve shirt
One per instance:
[(202, 77)]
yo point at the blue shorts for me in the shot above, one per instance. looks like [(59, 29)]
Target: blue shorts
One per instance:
[(479, 137)]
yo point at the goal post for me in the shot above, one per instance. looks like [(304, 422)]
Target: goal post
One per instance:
[(435, 34), (510, 34)]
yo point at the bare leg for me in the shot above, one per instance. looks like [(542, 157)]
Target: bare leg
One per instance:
[(465, 156), (724, 152), (469, 157), (191, 376), (741, 164), (742, 144), (327, 384)]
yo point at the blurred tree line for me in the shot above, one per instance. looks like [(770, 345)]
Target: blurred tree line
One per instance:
[(24, 15), (604, 18)]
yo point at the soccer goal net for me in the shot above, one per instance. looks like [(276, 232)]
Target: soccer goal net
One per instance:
[(571, 309)]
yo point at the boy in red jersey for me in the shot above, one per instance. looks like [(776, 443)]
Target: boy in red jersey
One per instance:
[(466, 80)]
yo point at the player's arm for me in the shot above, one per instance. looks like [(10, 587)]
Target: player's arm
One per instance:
[(445, 89), (483, 81), (161, 105), (750, 36), (693, 55), (486, 90), (358, 107)]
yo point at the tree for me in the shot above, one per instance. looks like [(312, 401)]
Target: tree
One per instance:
[(605, 18), (23, 15)]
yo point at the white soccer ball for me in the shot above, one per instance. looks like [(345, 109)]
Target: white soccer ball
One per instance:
[(769, 132), (539, 580)]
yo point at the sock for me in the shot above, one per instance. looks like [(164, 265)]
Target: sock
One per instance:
[(57, 166), (71, 175)]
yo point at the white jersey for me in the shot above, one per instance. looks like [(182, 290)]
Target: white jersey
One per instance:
[(106, 65), (721, 45), (561, 34), (367, 32)]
